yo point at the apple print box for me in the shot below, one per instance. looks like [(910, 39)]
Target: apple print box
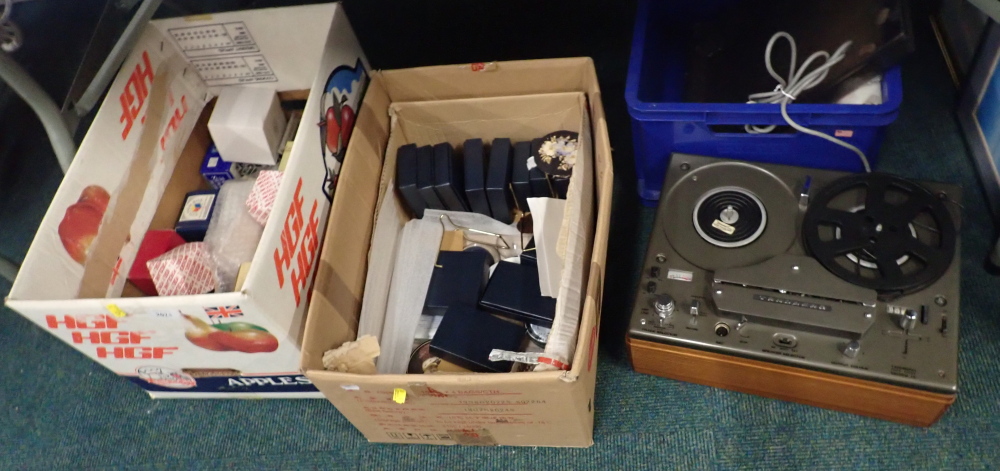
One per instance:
[(217, 345)]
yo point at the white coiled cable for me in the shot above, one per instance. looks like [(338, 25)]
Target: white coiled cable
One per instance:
[(799, 80)]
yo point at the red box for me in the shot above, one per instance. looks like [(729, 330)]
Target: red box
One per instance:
[(154, 244)]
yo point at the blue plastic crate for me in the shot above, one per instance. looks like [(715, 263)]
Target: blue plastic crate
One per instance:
[(662, 124)]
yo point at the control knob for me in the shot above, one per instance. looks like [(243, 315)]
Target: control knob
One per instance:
[(851, 349), (908, 320), (664, 305)]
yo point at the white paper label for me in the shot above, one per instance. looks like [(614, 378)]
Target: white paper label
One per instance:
[(235, 70), (165, 314), (197, 208), (428, 326), (530, 358), (679, 275), (350, 387), (723, 227), (215, 40), (224, 54)]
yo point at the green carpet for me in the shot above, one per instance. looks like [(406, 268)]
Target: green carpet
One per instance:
[(59, 410)]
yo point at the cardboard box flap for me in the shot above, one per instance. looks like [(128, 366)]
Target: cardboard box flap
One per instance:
[(338, 287), (143, 183), (516, 118), (449, 82), (279, 47), (281, 274), (578, 227), (510, 409)]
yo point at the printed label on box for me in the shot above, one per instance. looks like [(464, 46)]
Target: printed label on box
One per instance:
[(235, 70), (247, 170), (166, 377), (215, 40), (197, 208)]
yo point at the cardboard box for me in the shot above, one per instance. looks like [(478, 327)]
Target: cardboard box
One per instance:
[(140, 157), (551, 408)]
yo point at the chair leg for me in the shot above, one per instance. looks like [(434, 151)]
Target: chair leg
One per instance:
[(8, 269)]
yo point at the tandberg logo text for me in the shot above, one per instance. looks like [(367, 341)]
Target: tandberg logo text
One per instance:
[(792, 302)]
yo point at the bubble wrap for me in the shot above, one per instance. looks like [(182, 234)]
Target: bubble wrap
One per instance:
[(185, 269), (233, 235)]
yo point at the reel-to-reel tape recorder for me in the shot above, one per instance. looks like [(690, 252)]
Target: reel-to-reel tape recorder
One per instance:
[(826, 288)]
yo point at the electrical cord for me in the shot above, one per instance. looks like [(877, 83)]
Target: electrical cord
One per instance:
[(798, 81), (10, 34)]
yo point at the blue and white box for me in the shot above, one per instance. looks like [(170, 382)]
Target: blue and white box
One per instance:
[(216, 170), (192, 223)]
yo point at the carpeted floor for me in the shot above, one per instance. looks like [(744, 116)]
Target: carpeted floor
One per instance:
[(58, 410)]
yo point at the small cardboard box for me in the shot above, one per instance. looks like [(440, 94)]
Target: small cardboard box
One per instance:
[(142, 155), (247, 124), (217, 171), (550, 408)]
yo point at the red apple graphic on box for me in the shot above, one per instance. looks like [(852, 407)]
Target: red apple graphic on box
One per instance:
[(232, 336), (332, 128), (95, 196), (346, 123), (82, 220)]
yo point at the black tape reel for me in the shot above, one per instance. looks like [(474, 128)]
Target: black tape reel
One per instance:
[(881, 232)]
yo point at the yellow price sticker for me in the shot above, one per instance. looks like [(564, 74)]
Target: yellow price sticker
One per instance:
[(399, 396), (116, 311)]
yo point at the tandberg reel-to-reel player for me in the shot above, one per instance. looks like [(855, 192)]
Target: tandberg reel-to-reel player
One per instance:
[(826, 288)]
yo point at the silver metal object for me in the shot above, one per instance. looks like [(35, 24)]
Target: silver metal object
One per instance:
[(761, 292), (8, 269), (908, 320), (851, 349), (539, 334), (721, 329), (806, 317), (664, 305), (804, 193), (501, 243)]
